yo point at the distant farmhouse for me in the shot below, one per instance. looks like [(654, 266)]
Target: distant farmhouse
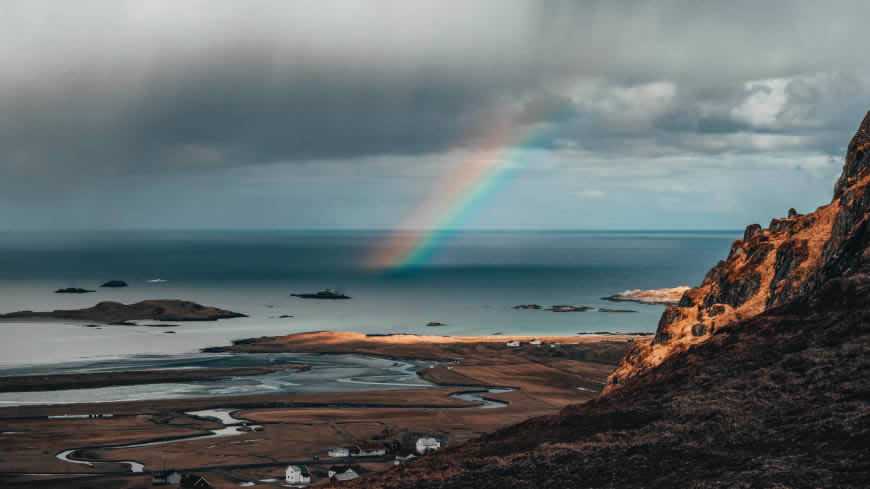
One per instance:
[(298, 474), (535, 342), (339, 452), (343, 472), (426, 445), (513, 344)]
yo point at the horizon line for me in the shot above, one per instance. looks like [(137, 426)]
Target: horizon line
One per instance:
[(377, 229)]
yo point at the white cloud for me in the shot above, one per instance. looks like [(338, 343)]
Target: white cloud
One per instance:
[(764, 104), (623, 105)]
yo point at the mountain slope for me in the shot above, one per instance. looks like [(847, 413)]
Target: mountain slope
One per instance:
[(758, 378)]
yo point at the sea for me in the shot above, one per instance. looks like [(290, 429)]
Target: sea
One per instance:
[(470, 283)]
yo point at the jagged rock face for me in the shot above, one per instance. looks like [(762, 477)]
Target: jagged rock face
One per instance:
[(752, 231), (769, 267), (857, 158)]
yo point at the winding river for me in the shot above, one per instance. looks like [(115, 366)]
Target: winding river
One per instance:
[(234, 426), (480, 396)]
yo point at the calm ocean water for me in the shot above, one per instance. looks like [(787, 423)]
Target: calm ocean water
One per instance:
[(471, 284)]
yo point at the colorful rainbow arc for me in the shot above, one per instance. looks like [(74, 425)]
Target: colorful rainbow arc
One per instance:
[(458, 196)]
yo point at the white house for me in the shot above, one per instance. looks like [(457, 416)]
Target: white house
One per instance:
[(426, 445), (342, 473), (555, 344), (535, 342), (338, 452), (298, 474), (513, 343), (369, 451)]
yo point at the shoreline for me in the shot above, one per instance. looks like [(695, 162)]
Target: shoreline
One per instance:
[(58, 382)]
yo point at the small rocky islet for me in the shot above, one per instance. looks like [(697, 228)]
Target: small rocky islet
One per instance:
[(73, 290), (114, 283), (80, 290)]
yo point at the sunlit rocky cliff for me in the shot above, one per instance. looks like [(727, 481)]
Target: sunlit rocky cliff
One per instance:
[(770, 266)]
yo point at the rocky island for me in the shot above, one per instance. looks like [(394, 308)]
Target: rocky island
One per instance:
[(114, 283), (668, 296), (115, 312), (73, 290)]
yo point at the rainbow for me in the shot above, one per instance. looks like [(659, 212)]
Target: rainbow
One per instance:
[(456, 198)]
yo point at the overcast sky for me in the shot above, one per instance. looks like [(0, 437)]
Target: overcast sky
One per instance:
[(292, 114)]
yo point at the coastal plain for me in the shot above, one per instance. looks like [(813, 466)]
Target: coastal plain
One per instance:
[(529, 380)]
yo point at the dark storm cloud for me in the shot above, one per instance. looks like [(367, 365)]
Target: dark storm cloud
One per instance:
[(229, 114), (547, 107), (140, 87)]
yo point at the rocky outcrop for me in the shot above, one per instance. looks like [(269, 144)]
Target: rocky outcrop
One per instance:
[(668, 296), (857, 159), (752, 231), (770, 267)]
